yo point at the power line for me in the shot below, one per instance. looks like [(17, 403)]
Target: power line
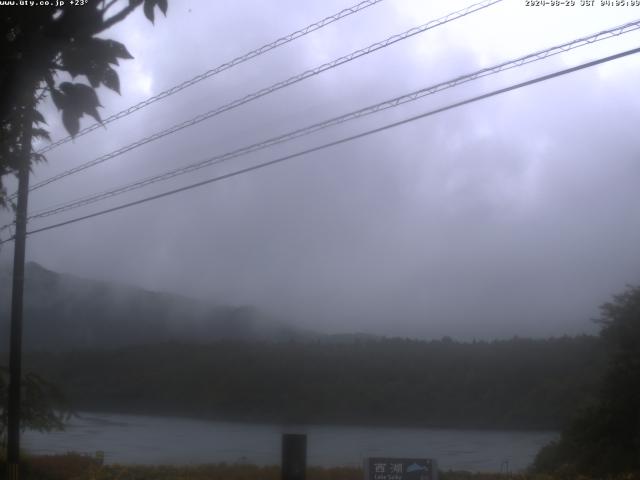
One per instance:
[(387, 104), (220, 68), (277, 86), (342, 140)]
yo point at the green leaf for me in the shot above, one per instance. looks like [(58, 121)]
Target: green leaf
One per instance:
[(91, 56), (67, 88), (71, 121), (80, 99), (148, 9), (38, 118), (110, 79), (58, 98), (94, 76), (76, 59), (86, 99), (41, 133), (103, 52), (84, 94), (118, 49), (162, 5)]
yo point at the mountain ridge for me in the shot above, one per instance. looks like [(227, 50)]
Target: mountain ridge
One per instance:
[(63, 312)]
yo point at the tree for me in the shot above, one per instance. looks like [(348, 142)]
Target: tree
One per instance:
[(44, 407), (37, 44), (605, 437)]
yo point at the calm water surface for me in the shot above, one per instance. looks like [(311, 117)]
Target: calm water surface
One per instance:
[(134, 439)]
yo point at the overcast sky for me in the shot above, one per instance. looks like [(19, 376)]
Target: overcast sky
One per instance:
[(517, 215)]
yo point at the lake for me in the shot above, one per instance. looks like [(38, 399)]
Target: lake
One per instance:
[(135, 439)]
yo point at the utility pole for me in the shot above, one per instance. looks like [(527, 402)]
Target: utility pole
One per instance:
[(294, 456), (15, 348)]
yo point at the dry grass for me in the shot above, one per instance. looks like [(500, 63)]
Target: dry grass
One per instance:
[(81, 467)]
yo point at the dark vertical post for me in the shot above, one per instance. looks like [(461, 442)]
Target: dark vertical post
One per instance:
[(15, 348), (294, 456)]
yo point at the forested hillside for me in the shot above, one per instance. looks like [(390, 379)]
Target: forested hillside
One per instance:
[(64, 312), (125, 349), (520, 383)]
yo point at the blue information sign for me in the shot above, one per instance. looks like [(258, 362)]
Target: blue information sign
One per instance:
[(384, 468)]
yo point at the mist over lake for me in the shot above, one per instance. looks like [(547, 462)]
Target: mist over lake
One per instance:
[(135, 439)]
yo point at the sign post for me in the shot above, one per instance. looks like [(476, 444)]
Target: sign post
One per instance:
[(386, 468)]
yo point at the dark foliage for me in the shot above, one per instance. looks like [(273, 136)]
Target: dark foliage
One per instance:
[(44, 407), (507, 384), (36, 44), (605, 437)]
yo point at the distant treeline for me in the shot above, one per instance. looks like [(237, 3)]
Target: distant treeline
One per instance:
[(514, 384)]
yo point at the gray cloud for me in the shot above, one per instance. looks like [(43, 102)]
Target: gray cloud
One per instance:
[(514, 216)]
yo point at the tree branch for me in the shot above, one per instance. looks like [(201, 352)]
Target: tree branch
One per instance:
[(43, 93), (118, 17), (108, 5)]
